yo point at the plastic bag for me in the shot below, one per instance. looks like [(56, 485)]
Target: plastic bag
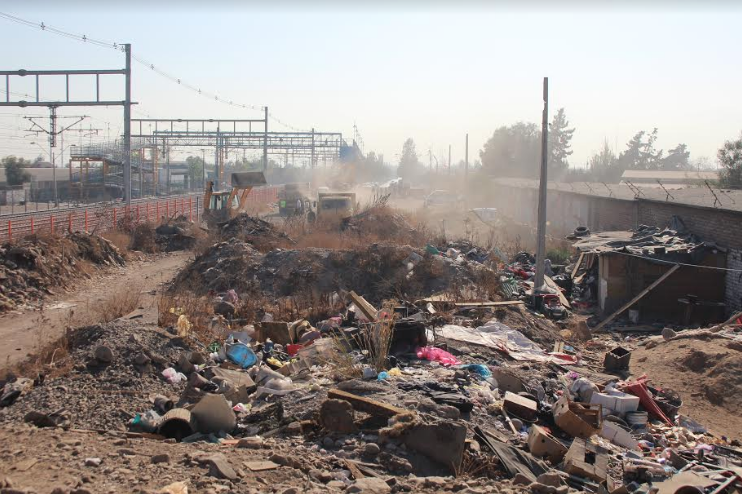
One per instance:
[(172, 376), (183, 325), (480, 369), (437, 355), (241, 355)]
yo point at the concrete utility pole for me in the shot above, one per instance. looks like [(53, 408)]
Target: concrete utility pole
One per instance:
[(449, 159), (265, 143), (538, 285), (52, 138), (127, 128), (466, 158)]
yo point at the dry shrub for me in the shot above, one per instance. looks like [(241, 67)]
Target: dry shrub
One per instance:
[(120, 302), (120, 240), (144, 238), (377, 339)]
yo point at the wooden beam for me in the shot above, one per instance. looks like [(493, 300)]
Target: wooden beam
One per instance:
[(636, 299), (368, 310), (577, 265), (554, 286), (489, 304), (367, 405)]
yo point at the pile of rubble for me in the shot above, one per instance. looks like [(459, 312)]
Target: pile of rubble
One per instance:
[(259, 233), (173, 235), (381, 270), (383, 224), (32, 267)]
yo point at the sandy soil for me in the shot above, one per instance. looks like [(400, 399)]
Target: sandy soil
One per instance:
[(24, 331), (706, 374)]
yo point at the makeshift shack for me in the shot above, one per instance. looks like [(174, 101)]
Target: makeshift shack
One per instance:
[(636, 265)]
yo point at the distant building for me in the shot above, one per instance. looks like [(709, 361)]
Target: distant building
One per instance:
[(685, 177), (41, 187)]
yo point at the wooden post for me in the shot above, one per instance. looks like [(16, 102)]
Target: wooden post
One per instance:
[(51, 223)]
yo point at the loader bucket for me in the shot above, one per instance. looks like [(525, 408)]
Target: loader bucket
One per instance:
[(248, 179)]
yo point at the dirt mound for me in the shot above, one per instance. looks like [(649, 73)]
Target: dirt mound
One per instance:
[(97, 396), (261, 234), (379, 271), (174, 235), (384, 223), (33, 266), (707, 374)]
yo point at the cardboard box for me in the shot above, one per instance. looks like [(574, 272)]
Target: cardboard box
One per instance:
[(507, 381), (520, 406), (617, 359), (586, 460), (577, 419), (543, 444), (277, 331), (618, 435), (617, 402)]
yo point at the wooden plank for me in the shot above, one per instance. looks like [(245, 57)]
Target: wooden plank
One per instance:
[(554, 286), (636, 299), (367, 405), (489, 304), (368, 310), (577, 265)]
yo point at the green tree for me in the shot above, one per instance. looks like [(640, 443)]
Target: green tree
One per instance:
[(678, 158), (560, 138), (15, 170), (195, 169), (640, 153), (730, 158), (513, 151), (409, 164)]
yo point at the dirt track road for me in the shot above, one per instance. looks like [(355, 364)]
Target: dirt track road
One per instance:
[(21, 332)]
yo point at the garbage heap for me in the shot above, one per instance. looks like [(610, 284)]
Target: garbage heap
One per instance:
[(32, 267), (394, 396)]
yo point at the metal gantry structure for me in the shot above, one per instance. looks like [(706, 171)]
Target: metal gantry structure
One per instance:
[(140, 151), (39, 101)]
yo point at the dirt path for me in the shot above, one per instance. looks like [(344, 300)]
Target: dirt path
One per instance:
[(21, 332)]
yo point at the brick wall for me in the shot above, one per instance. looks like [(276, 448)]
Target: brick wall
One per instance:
[(567, 210)]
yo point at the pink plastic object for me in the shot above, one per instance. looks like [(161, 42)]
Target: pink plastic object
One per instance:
[(437, 355)]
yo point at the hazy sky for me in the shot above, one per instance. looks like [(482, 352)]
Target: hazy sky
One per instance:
[(406, 72)]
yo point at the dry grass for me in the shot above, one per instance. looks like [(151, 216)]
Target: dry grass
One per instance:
[(376, 340), (120, 302), (198, 310), (120, 240)]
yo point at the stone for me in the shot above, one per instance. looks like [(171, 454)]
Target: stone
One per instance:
[(539, 488), (93, 462), (521, 479), (550, 478), (142, 360), (369, 485), (219, 467), (328, 442), (442, 442), (337, 416), (436, 482), (161, 458), (224, 308), (336, 484), (255, 442), (185, 365), (668, 334), (562, 489), (104, 354), (213, 414), (294, 428), (371, 449)]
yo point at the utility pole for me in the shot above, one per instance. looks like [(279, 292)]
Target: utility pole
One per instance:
[(217, 171), (53, 133), (466, 160), (449, 159), (312, 164), (538, 285), (167, 163), (265, 143), (127, 128)]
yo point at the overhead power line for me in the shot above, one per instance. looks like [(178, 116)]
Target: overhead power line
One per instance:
[(212, 95)]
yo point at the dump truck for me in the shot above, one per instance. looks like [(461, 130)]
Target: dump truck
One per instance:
[(222, 205), (333, 206), (290, 195)]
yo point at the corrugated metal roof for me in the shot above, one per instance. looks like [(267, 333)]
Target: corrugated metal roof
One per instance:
[(722, 199)]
